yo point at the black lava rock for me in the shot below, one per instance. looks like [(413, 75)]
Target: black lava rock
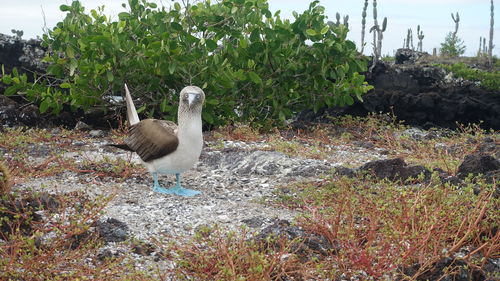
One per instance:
[(112, 230), (394, 169)]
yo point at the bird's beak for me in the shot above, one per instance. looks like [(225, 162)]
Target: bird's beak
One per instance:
[(191, 98)]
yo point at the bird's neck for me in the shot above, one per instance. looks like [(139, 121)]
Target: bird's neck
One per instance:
[(189, 126)]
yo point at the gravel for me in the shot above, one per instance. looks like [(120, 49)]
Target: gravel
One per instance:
[(236, 179)]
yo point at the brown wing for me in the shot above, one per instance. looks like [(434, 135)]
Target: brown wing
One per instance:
[(152, 139)]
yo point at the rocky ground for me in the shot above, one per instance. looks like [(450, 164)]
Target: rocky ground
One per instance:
[(235, 178), (238, 181)]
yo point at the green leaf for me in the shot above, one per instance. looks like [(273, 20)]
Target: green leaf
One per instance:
[(110, 76), (255, 77), (311, 32), (141, 109), (255, 35), (73, 64), (175, 25), (65, 85), (324, 30), (177, 6), (123, 16), (164, 107), (211, 45), (243, 43), (348, 100), (213, 101), (11, 90), (207, 117), (44, 105), (282, 116), (64, 8), (240, 75), (70, 52), (256, 47), (171, 68), (251, 63), (7, 79)]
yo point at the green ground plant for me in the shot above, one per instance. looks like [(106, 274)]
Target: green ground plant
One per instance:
[(241, 54), (488, 79), (378, 229)]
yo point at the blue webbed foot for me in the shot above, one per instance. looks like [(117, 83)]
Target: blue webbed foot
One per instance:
[(177, 189)]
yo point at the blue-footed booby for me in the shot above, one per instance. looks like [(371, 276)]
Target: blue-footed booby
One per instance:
[(163, 146)]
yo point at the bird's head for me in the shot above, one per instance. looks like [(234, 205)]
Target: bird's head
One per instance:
[(192, 97)]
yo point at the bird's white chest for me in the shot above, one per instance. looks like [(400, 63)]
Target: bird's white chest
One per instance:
[(187, 153)]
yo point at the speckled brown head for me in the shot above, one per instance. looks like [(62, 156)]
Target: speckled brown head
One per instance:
[(191, 99)]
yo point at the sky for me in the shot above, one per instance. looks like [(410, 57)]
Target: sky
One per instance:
[(433, 16)]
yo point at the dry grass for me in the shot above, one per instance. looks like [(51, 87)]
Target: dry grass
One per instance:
[(380, 227), (5, 178), (62, 246), (379, 230), (24, 146), (215, 254)]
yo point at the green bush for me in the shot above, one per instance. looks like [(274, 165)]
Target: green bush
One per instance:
[(252, 64), (452, 46), (489, 80)]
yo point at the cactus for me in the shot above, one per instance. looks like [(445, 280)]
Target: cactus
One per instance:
[(456, 19), (346, 21), (490, 45), (420, 36), (409, 39), (480, 51), (363, 25), (485, 50), (337, 16), (17, 33), (378, 34)]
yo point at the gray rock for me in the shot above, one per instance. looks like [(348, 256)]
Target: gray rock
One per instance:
[(21, 54), (312, 243), (112, 230), (394, 169), (408, 56), (97, 133), (364, 144), (82, 126), (254, 222), (414, 133), (477, 163), (265, 163)]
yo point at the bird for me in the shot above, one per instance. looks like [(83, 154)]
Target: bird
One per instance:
[(163, 146)]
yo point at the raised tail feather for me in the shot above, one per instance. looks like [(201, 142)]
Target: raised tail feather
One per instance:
[(132, 116)]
